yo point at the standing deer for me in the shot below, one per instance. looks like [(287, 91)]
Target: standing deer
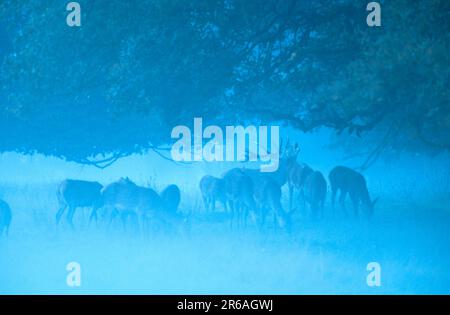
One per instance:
[(267, 195), (171, 197), (348, 181), (5, 217), (239, 189), (73, 194), (213, 189), (315, 192), (297, 175)]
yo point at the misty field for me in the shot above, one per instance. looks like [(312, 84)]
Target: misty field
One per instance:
[(408, 236), (320, 93)]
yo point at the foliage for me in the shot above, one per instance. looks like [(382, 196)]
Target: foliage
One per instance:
[(135, 69)]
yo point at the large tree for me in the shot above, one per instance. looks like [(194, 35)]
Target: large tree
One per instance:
[(135, 69)]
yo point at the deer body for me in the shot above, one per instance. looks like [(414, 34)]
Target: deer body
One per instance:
[(315, 192), (73, 194), (5, 217), (239, 189), (125, 198), (297, 175), (257, 191), (213, 190), (266, 186), (350, 182), (171, 197), (268, 199)]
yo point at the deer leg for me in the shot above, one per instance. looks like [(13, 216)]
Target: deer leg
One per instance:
[(224, 203), (247, 213), (231, 212), (112, 216), (207, 205), (242, 214), (70, 215), (302, 195), (93, 215), (237, 215), (275, 221), (60, 213), (263, 216), (342, 201), (205, 202), (355, 202)]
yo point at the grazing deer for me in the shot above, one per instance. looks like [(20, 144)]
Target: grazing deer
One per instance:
[(315, 192), (171, 197), (124, 198), (239, 193), (353, 183), (265, 188), (213, 189), (78, 193), (262, 191), (5, 217)]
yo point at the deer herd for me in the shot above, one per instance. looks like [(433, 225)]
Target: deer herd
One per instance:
[(242, 193)]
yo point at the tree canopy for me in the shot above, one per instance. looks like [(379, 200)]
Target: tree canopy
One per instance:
[(119, 83)]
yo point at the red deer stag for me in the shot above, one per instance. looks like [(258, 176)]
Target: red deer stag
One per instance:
[(296, 173)]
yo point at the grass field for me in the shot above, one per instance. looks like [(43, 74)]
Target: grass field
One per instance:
[(408, 237)]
